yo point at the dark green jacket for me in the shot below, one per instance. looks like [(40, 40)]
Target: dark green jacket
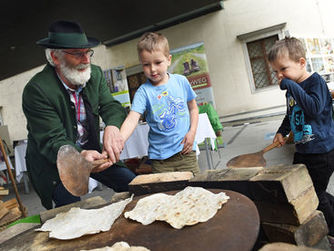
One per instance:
[(51, 123)]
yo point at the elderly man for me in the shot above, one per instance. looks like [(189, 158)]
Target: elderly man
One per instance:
[(62, 104)]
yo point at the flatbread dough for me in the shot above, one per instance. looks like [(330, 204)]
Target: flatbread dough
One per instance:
[(187, 207), (78, 222), (120, 246)]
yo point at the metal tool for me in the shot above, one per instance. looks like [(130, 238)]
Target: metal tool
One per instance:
[(74, 170)]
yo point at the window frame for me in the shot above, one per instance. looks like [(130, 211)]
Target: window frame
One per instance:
[(130, 71), (278, 30)]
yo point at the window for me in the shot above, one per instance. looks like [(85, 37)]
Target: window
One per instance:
[(134, 81), (136, 77), (263, 75), (256, 46)]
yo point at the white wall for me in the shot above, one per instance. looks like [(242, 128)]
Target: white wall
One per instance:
[(10, 100), (227, 65)]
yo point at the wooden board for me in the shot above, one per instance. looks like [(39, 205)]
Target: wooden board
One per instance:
[(10, 217), (10, 204), (234, 227), (3, 209), (15, 230), (161, 177), (4, 191), (159, 182), (283, 194)]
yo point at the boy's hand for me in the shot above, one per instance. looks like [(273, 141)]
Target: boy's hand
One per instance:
[(279, 137), (188, 142), (113, 143), (91, 155)]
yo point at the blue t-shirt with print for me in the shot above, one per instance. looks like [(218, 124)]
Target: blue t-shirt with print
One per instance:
[(167, 114)]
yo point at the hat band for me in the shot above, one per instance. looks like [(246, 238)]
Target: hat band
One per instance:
[(70, 39)]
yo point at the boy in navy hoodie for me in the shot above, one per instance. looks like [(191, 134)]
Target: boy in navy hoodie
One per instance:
[(309, 117)]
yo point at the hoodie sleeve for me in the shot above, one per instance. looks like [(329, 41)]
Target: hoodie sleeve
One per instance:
[(313, 101)]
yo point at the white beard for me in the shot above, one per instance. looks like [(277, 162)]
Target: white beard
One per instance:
[(73, 75)]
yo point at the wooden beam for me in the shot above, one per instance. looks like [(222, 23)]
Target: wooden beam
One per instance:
[(159, 182)]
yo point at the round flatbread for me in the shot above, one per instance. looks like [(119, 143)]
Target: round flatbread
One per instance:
[(78, 222), (187, 207), (120, 246)]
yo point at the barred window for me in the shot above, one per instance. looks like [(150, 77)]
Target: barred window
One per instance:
[(256, 45), (263, 75)]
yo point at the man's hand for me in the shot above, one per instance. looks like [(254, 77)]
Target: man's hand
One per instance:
[(113, 143), (188, 142), (92, 155)]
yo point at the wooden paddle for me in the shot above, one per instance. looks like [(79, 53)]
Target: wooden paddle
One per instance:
[(254, 159), (74, 170)]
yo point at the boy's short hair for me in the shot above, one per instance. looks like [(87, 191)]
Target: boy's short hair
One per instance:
[(152, 41), (289, 46)]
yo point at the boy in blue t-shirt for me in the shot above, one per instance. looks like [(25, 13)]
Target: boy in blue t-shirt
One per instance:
[(309, 117), (172, 112)]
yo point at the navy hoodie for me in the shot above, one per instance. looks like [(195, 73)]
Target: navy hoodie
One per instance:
[(309, 114)]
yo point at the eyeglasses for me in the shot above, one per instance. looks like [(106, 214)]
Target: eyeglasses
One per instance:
[(80, 55)]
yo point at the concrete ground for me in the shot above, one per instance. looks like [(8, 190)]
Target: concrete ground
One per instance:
[(239, 138)]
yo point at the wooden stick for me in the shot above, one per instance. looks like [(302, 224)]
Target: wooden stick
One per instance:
[(275, 144), (22, 209)]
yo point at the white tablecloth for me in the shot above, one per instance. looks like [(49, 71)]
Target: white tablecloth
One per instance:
[(20, 165), (205, 130), (137, 144)]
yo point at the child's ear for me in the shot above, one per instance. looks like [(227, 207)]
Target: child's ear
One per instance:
[(169, 59), (302, 61)]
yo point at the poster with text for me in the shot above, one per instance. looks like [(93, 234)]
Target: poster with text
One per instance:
[(118, 85), (191, 62)]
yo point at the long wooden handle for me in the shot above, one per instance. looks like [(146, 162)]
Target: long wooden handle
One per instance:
[(22, 208), (274, 145), (271, 146)]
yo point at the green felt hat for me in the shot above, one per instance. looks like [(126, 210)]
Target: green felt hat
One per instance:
[(67, 35)]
